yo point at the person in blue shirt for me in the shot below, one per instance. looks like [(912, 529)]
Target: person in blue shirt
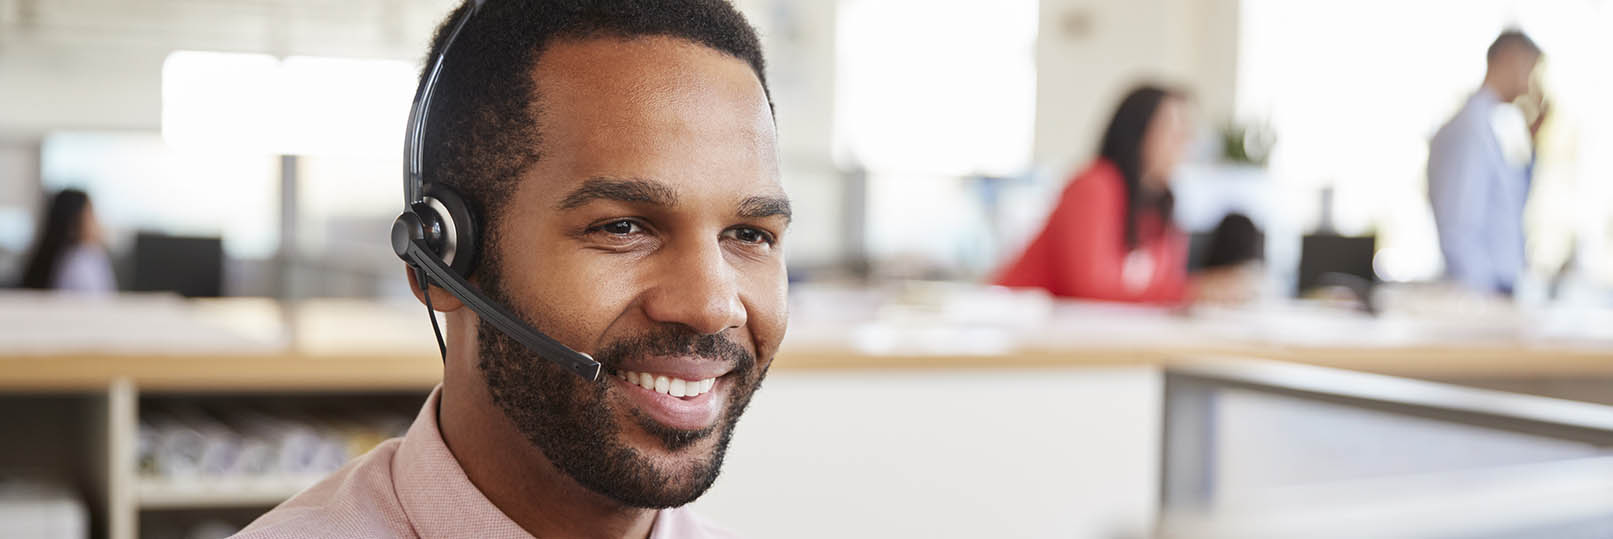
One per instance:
[(1479, 169)]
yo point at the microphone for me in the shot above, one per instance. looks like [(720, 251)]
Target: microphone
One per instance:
[(409, 242)]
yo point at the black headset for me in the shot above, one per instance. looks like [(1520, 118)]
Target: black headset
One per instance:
[(437, 235)]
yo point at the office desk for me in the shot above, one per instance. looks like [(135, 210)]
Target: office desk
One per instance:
[(116, 353), (163, 343)]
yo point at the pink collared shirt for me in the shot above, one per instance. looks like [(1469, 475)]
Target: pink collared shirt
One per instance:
[(413, 487)]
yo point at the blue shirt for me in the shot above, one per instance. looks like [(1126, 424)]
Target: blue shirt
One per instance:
[(1478, 195)]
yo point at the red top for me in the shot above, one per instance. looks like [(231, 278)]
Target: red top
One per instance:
[(1081, 253)]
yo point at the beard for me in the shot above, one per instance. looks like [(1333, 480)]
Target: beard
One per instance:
[(582, 433)]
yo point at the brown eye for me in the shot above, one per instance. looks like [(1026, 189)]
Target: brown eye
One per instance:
[(620, 228), (750, 235)]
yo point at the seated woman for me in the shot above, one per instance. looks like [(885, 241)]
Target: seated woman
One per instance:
[(68, 252), (1110, 236)]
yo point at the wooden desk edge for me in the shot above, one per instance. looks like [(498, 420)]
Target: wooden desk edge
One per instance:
[(368, 371)]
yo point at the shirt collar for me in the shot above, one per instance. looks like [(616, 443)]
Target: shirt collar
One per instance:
[(1486, 97), (437, 498)]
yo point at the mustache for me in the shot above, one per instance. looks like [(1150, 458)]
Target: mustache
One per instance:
[(677, 340)]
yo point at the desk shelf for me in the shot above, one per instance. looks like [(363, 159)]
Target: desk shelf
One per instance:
[(157, 493)]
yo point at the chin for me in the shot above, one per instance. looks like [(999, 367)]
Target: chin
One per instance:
[(681, 461), (678, 478)]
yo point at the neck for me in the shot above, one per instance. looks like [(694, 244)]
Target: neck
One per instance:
[(508, 469), (1494, 86)]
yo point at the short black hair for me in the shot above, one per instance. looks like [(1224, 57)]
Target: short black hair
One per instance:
[(1511, 40), (482, 129)]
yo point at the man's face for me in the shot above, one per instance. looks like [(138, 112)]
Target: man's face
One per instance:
[(648, 234), (1518, 67)]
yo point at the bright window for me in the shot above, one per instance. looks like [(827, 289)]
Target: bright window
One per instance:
[(1356, 89), (928, 92), (137, 182)]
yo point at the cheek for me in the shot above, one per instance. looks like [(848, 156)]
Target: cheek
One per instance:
[(572, 296), (767, 309), (599, 289), (1155, 149)]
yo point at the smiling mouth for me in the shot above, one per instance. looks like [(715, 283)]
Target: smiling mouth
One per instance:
[(667, 385)]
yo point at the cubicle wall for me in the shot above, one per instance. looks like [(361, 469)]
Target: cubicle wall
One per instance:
[(1057, 452), (1279, 450), (1194, 449)]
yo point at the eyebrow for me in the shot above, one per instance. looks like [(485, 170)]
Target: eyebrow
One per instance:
[(758, 207), (636, 190), (644, 191)]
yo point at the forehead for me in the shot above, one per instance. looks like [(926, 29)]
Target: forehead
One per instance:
[(654, 107), (1171, 111), (1519, 53)]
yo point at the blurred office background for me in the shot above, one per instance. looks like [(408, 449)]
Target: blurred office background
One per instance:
[(257, 146), (910, 152)]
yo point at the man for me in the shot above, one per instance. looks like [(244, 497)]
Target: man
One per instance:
[(622, 154), (1479, 170)]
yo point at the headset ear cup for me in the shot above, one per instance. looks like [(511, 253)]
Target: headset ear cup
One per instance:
[(465, 227), (431, 227)]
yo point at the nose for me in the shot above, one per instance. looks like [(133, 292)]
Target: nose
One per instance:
[(697, 288)]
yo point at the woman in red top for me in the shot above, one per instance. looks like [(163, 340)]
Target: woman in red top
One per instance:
[(1111, 237)]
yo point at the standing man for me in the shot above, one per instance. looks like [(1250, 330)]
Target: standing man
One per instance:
[(1479, 170), (621, 158)]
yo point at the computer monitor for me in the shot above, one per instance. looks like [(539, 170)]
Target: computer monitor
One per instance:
[(1324, 258), (192, 266)]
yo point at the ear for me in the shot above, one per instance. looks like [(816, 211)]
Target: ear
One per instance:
[(441, 300)]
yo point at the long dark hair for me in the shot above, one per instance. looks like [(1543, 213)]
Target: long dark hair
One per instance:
[(61, 228), (1123, 147)]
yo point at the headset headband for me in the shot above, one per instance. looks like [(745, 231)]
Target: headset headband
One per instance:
[(415, 136)]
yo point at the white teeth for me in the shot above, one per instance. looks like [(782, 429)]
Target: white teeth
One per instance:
[(675, 387)]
